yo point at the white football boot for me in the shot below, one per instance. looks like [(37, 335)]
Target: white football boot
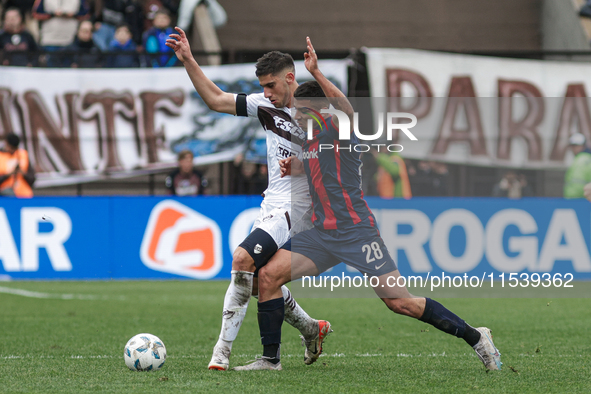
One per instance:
[(486, 351), (260, 364), (220, 360), (314, 346)]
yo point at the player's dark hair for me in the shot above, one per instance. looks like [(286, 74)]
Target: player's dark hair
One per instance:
[(13, 140), (310, 89), (273, 63)]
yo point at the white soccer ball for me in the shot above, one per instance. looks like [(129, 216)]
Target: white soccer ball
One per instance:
[(144, 352)]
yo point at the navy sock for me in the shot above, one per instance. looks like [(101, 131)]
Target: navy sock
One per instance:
[(272, 352), (443, 319), (271, 314), (472, 335)]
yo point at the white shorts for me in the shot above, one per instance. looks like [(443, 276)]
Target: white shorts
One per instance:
[(282, 220)]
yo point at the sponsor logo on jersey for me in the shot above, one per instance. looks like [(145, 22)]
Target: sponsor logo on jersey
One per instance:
[(283, 124), (308, 155), (286, 125), (283, 152), (181, 241), (258, 249), (268, 217)]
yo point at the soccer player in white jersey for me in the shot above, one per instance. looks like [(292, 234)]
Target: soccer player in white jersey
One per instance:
[(286, 207)]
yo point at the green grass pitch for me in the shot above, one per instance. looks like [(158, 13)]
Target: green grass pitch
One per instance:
[(72, 342)]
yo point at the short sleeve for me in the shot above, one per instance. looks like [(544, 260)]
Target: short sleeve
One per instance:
[(247, 105)]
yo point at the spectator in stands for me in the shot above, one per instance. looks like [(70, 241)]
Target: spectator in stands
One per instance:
[(24, 6), (59, 23), (392, 176), (250, 177), (579, 172), (420, 177), (512, 185), (122, 43), (83, 52), (16, 173), (108, 14), (155, 41), (151, 8), (26, 9), (260, 180), (249, 181), (185, 180), (217, 14), (439, 180), (16, 41), (429, 179), (246, 170)]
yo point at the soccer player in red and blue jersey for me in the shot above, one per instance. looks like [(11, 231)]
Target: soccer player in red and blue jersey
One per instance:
[(345, 230)]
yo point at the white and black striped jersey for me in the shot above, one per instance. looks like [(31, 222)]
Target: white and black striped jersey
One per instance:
[(284, 139)]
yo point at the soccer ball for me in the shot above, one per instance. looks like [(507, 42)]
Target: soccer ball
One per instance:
[(144, 352)]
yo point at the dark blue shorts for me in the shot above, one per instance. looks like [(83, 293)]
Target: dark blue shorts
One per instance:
[(361, 248)]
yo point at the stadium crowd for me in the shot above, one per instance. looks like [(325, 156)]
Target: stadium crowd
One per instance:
[(87, 33)]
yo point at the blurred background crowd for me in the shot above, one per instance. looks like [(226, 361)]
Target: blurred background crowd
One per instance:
[(87, 33)]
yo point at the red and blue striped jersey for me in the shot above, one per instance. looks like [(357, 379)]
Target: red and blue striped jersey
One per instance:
[(333, 168)]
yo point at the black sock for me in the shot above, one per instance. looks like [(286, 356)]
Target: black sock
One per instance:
[(443, 319), (271, 314), (472, 335), (272, 352)]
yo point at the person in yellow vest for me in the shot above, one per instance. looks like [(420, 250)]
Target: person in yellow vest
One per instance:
[(16, 173), (392, 177)]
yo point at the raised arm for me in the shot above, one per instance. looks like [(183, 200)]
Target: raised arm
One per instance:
[(215, 98), (334, 94)]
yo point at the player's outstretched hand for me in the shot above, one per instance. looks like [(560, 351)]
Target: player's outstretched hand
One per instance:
[(310, 58), (180, 45)]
